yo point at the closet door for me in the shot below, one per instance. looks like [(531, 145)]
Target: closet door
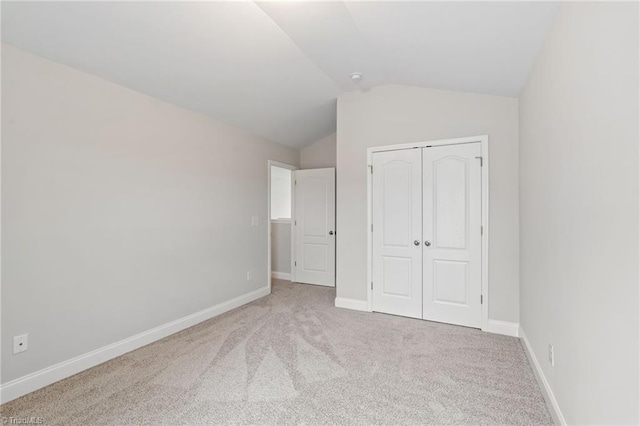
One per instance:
[(397, 232), (452, 239)]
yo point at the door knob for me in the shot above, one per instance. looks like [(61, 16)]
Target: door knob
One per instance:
[(330, 232), (416, 243), (427, 243)]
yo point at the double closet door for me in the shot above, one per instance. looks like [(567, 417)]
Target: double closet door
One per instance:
[(427, 242)]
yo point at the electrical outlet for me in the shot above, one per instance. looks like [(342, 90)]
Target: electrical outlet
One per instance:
[(552, 359), (249, 276), (254, 221), (20, 343)]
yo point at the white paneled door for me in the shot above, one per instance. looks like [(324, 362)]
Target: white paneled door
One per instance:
[(397, 232), (452, 235), (314, 226), (426, 233)]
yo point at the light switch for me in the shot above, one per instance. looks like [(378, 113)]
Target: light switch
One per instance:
[(254, 221)]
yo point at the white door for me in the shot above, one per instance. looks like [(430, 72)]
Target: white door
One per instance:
[(397, 232), (314, 226), (452, 234)]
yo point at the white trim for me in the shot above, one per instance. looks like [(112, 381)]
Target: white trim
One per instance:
[(34, 381), (283, 166), (547, 392), (293, 261), (484, 143), (503, 327), (423, 144), (355, 304), (281, 275)]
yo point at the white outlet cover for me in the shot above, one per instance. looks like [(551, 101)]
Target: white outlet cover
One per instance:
[(249, 276), (20, 343), (254, 221)]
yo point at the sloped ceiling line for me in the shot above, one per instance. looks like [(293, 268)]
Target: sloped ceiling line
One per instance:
[(276, 68)]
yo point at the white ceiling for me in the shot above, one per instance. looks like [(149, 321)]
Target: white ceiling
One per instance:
[(276, 68)]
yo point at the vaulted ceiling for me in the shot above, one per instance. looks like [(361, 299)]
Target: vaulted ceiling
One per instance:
[(276, 68)]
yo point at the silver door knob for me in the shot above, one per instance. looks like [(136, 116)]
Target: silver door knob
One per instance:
[(416, 243), (427, 243), (330, 232)]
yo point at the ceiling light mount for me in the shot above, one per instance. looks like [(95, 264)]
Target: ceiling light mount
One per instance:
[(356, 77)]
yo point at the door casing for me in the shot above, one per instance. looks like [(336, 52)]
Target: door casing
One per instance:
[(484, 143)]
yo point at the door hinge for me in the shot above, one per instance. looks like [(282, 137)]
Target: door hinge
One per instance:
[(481, 161), (481, 299), (481, 230), (295, 263), (295, 182), (372, 227), (371, 168), (371, 285), (295, 223)]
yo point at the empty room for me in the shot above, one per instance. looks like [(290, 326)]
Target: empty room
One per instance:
[(320, 213)]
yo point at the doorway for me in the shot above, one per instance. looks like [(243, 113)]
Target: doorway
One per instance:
[(280, 208)]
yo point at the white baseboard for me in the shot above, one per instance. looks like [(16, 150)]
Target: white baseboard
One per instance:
[(503, 327), (281, 275), (355, 304), (549, 397), (39, 379)]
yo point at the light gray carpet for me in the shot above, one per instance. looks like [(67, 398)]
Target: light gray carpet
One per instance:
[(293, 358)]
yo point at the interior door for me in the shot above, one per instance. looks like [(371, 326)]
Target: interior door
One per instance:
[(452, 235), (397, 232), (314, 226)]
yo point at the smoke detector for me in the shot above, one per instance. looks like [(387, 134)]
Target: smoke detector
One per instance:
[(356, 77)]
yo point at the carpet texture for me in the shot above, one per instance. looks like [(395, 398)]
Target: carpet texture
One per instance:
[(293, 358)]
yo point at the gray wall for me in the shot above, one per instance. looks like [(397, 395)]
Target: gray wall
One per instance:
[(388, 115), (320, 154), (120, 212), (281, 247), (579, 211)]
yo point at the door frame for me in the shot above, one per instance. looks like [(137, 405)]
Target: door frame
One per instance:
[(484, 144), (293, 168)]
